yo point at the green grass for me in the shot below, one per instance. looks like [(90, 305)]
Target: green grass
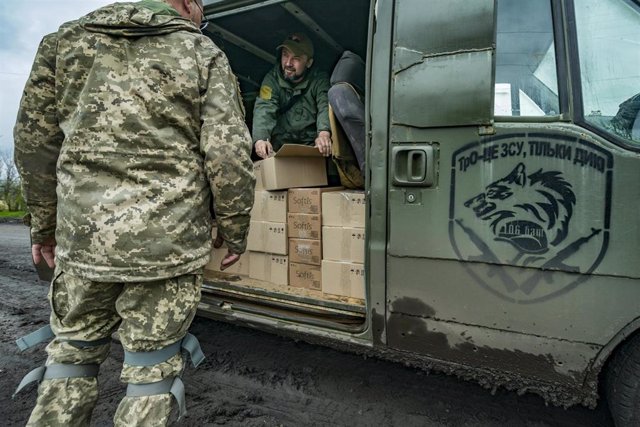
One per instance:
[(12, 214)]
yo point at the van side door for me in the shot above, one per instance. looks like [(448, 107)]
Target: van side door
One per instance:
[(441, 98), (499, 200)]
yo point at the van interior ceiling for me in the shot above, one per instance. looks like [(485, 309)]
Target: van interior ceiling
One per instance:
[(249, 32)]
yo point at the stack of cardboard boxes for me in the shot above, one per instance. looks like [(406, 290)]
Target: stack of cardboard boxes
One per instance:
[(292, 166), (267, 240), (343, 216), (304, 225), (309, 237)]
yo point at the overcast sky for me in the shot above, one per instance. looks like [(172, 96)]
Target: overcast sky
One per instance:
[(22, 26)]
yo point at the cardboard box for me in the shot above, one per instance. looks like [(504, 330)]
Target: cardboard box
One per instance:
[(270, 268), (343, 244), (343, 278), (304, 226), (343, 208), (305, 251), (307, 200), (240, 268), (269, 206), (292, 166), (257, 171), (269, 237), (305, 276)]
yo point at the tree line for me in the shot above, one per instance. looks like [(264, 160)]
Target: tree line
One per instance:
[(10, 189)]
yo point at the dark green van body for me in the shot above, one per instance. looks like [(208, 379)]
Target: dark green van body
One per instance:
[(503, 236)]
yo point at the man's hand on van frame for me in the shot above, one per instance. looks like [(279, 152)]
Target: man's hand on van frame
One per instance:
[(323, 143), (230, 258), (264, 148)]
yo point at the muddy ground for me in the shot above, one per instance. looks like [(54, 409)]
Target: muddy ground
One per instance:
[(251, 378)]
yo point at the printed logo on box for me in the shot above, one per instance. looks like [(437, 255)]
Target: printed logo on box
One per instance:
[(302, 200), (307, 275)]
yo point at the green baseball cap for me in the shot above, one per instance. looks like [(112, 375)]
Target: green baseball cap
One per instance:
[(299, 44)]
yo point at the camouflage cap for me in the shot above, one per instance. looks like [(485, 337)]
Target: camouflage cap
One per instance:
[(299, 44)]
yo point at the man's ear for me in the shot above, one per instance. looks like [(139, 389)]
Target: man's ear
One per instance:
[(188, 5), (310, 63), (184, 7)]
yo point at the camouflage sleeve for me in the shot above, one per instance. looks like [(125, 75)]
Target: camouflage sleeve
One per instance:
[(322, 103), (265, 109), (226, 145), (38, 140)]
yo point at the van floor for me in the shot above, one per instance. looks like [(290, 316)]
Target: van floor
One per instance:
[(291, 292), (280, 302)]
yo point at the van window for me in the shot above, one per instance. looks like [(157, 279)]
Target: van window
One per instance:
[(526, 77), (608, 34)]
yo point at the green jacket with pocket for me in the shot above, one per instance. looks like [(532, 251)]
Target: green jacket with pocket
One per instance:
[(306, 117)]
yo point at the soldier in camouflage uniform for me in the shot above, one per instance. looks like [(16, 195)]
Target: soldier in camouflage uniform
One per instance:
[(292, 107), (129, 123)]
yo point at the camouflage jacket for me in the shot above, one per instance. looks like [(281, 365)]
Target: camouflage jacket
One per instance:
[(129, 123), (301, 124)]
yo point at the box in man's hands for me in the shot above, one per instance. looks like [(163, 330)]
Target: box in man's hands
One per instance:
[(292, 166)]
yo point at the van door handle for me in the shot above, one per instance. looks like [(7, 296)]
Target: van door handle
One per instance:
[(413, 166)]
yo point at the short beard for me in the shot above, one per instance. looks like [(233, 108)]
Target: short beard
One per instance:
[(296, 77)]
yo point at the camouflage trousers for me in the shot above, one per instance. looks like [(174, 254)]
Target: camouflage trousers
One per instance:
[(148, 316)]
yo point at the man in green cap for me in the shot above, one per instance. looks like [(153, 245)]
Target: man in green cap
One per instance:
[(292, 107)]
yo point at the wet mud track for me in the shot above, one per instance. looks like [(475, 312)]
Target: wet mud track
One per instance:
[(251, 378)]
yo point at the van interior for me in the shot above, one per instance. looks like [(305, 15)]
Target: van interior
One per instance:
[(249, 32)]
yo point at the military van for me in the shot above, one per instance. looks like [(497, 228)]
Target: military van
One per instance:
[(502, 189)]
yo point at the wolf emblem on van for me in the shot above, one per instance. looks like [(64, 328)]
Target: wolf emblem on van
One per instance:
[(530, 212)]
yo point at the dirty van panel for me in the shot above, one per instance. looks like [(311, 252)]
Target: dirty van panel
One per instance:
[(418, 100), (479, 347), (430, 52), (516, 234), (430, 29)]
